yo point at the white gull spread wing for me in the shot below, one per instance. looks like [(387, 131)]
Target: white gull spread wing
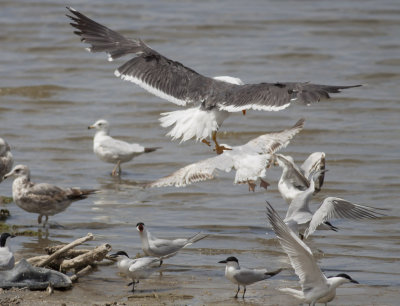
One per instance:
[(332, 208), (273, 142), (181, 85), (315, 162), (300, 255), (196, 172)]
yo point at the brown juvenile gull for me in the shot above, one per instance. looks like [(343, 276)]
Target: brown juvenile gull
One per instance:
[(114, 151), (249, 160), (43, 199), (315, 286), (213, 99), (6, 158), (294, 180)]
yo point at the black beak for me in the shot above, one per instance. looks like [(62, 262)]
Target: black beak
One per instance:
[(354, 281), (12, 236), (113, 255), (222, 261)]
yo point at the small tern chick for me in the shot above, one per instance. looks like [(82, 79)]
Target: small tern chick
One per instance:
[(136, 269), (43, 199), (249, 160), (244, 277), (114, 151), (301, 220), (6, 256), (6, 159), (296, 179), (315, 286), (164, 248)]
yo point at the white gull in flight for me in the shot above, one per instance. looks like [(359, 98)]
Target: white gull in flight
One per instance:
[(294, 179), (114, 151), (315, 286), (213, 99), (301, 220), (249, 160), (43, 199)]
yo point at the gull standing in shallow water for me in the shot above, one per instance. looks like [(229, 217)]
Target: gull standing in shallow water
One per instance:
[(315, 286), (6, 256), (249, 160), (301, 220), (43, 199), (213, 99), (114, 151), (136, 269), (294, 179), (6, 159), (164, 248), (244, 277)]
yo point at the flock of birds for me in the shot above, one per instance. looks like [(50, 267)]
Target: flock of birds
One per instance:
[(213, 99)]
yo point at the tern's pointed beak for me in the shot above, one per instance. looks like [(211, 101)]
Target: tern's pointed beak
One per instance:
[(222, 261), (354, 281)]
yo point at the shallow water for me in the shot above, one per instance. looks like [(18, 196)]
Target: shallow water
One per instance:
[(51, 89)]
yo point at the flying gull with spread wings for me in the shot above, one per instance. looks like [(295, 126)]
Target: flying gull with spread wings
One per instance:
[(249, 160), (213, 98)]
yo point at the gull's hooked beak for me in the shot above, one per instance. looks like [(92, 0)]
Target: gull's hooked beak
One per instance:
[(90, 127)]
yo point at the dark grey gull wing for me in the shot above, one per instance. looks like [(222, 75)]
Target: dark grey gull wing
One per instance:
[(181, 85)]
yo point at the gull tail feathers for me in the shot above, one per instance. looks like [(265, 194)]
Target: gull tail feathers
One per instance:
[(189, 123), (77, 193)]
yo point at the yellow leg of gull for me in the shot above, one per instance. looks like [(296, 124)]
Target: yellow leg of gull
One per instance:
[(219, 149)]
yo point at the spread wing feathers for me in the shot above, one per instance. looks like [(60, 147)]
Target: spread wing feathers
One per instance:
[(273, 142), (294, 174), (196, 172), (299, 253), (275, 96), (313, 164), (333, 208), (152, 71)]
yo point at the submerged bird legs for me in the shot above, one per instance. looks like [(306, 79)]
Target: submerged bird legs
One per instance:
[(117, 166)]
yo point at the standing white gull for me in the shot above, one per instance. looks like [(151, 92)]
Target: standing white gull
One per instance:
[(213, 99), (301, 220), (242, 276), (136, 269), (249, 160), (6, 256), (315, 286), (294, 179), (6, 159), (43, 199), (164, 248), (114, 151)]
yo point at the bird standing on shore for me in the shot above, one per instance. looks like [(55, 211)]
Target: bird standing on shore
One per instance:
[(43, 199), (114, 151), (6, 256), (6, 158), (242, 276), (213, 99), (164, 248)]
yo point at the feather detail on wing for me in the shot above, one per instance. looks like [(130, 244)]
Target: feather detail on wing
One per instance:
[(196, 172), (299, 253), (333, 208), (273, 142)]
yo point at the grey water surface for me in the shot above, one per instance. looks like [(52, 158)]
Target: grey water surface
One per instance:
[(51, 89)]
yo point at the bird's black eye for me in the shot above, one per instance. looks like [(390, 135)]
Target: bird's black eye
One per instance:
[(17, 170)]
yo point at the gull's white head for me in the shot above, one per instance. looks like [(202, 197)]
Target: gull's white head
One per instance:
[(19, 171), (101, 125)]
